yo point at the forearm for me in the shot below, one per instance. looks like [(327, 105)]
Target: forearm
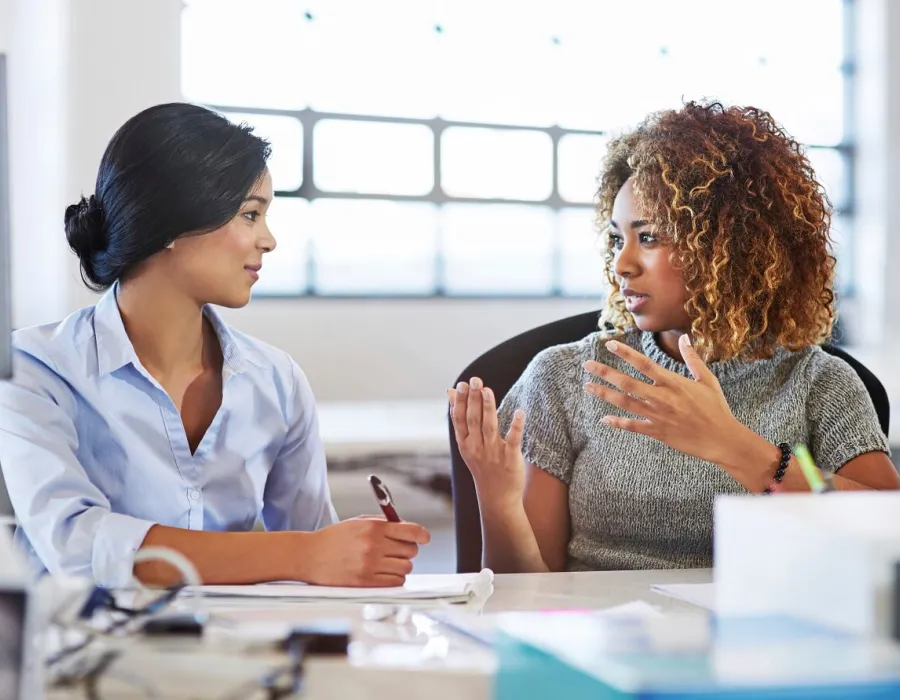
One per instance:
[(510, 546), (754, 460), (228, 557)]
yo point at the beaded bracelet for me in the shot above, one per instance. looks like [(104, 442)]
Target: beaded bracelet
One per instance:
[(782, 465)]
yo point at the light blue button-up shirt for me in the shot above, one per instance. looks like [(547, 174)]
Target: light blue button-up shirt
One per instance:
[(94, 451)]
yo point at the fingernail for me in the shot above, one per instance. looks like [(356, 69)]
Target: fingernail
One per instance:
[(520, 414), (476, 384), (461, 388), (487, 394), (687, 339), (605, 420), (612, 346)]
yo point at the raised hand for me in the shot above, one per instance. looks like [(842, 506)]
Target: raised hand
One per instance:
[(691, 416), (496, 463)]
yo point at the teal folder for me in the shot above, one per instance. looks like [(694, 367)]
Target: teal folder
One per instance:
[(582, 655)]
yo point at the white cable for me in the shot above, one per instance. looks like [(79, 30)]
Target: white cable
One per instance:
[(189, 574)]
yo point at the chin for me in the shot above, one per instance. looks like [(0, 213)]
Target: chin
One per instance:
[(233, 300), (648, 324)]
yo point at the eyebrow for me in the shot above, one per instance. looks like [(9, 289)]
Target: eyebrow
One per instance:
[(637, 223), (256, 198)]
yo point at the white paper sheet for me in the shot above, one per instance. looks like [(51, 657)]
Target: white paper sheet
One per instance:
[(451, 588), (700, 594)]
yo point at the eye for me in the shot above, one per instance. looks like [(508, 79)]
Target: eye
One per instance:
[(616, 241), (649, 239), (251, 215)]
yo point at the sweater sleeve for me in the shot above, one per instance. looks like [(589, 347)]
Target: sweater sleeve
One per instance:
[(842, 421), (546, 392)]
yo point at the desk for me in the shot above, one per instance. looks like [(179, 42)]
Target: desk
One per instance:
[(387, 660)]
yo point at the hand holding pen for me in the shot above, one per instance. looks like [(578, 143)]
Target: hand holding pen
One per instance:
[(385, 501)]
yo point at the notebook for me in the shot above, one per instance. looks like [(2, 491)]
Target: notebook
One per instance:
[(700, 594), (445, 588)]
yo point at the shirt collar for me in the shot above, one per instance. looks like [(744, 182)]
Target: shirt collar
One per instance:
[(114, 348)]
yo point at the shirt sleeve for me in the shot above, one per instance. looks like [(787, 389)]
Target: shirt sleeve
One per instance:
[(545, 393), (843, 423), (296, 495), (65, 517)]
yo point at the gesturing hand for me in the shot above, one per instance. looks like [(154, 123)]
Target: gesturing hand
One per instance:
[(691, 416), (496, 464)]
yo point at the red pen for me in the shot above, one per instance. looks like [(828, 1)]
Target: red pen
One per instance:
[(383, 496)]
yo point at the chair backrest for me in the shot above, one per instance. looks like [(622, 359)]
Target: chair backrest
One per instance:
[(501, 366)]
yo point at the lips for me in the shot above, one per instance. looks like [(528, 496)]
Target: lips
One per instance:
[(634, 300), (253, 270)]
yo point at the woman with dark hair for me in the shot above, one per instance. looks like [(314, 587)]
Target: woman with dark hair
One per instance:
[(146, 420), (707, 370)]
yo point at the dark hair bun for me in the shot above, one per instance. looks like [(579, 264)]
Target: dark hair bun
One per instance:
[(84, 231)]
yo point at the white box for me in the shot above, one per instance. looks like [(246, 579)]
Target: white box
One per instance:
[(827, 558)]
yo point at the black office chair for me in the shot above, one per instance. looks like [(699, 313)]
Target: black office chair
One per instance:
[(501, 366)]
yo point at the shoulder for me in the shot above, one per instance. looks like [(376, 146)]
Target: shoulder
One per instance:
[(55, 350), (828, 373), (818, 365), (271, 364)]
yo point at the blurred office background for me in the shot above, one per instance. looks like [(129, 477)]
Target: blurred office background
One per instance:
[(435, 164)]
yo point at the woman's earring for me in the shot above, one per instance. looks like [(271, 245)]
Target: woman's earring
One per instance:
[(171, 245)]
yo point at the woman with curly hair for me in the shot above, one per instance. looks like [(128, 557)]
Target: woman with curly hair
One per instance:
[(707, 370)]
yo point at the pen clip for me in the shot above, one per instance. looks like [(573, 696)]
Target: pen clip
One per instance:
[(382, 493)]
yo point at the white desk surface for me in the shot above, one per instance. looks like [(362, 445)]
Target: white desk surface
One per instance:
[(387, 660)]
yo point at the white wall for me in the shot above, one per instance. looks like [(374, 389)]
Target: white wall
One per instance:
[(123, 55)]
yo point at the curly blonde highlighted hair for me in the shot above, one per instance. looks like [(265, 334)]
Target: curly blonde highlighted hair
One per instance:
[(748, 222)]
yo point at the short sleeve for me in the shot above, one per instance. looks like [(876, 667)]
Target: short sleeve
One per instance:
[(843, 423), (546, 393)]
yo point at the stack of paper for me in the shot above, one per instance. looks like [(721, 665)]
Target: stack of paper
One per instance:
[(445, 588)]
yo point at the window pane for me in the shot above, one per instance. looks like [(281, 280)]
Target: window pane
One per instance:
[(830, 170), (373, 157), (495, 65), (496, 163), (218, 66), (497, 249), (581, 255), (373, 58), (374, 247), (580, 157), (285, 134), (285, 268)]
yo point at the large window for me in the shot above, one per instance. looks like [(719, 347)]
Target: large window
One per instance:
[(425, 148)]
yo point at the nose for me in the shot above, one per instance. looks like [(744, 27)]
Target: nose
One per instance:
[(266, 242), (627, 262)]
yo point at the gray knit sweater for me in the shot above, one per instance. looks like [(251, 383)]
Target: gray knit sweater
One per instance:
[(636, 503)]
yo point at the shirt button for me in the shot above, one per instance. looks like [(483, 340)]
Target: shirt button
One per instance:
[(195, 495)]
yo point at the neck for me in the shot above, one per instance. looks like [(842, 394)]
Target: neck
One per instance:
[(166, 328), (668, 343)]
